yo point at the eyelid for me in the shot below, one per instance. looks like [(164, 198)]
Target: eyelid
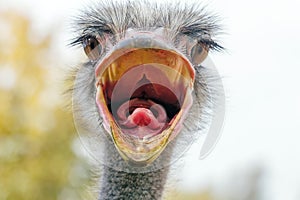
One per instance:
[(193, 47), (198, 53), (92, 47)]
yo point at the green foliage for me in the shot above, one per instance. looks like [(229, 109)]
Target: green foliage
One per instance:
[(36, 134)]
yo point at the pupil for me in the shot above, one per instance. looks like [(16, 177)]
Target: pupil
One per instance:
[(93, 43)]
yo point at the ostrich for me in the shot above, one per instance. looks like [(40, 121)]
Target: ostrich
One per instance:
[(143, 96)]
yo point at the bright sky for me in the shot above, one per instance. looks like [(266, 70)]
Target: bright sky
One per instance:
[(261, 77)]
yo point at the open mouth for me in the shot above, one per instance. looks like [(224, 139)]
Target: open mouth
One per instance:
[(143, 95)]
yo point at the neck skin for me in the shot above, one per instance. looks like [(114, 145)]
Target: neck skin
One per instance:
[(134, 186), (116, 184)]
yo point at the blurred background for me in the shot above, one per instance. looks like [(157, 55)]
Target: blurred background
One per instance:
[(257, 157)]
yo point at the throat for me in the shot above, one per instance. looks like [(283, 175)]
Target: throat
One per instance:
[(134, 186), (117, 184)]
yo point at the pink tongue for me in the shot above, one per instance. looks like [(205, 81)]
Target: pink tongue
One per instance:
[(147, 118), (141, 117)]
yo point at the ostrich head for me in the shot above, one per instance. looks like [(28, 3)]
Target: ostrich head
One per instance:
[(144, 88)]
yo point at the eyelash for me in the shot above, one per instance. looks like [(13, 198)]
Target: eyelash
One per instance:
[(204, 42), (211, 44)]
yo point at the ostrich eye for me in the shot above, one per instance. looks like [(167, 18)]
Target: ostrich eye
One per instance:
[(198, 53), (92, 47)]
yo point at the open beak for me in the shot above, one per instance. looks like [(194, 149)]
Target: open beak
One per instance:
[(143, 94)]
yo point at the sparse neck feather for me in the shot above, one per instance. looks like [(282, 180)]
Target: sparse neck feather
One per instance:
[(133, 186)]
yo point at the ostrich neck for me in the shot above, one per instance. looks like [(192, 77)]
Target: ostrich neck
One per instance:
[(117, 184), (134, 186)]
